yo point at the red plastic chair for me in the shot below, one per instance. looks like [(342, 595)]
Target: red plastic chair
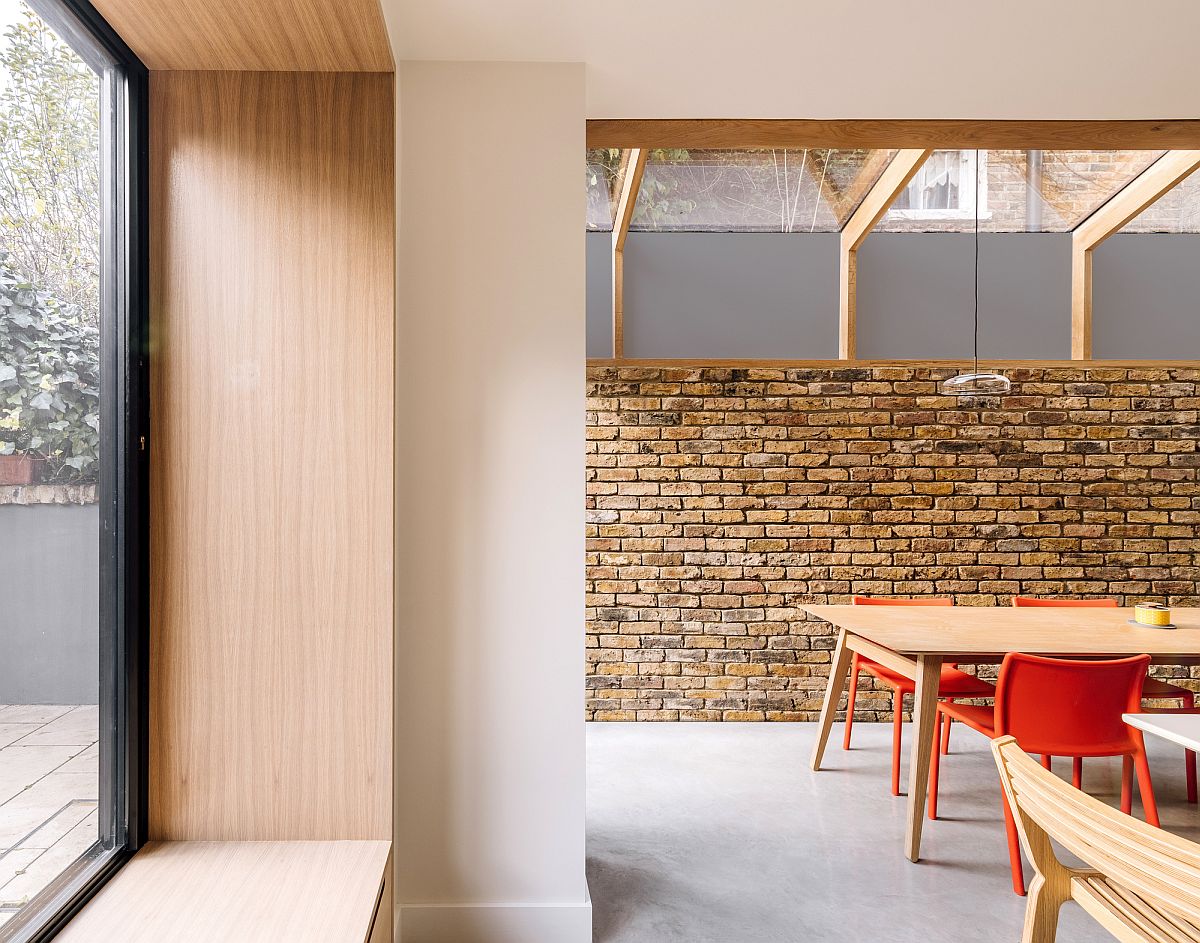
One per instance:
[(1154, 688), (1061, 707), (953, 683)]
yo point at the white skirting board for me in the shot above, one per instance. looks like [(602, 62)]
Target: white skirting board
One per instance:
[(495, 923)]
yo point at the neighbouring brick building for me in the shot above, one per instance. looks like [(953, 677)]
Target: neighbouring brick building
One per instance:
[(721, 499)]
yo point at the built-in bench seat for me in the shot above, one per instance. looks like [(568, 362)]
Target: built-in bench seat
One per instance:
[(243, 892)]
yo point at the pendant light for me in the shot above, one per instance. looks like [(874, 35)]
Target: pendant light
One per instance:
[(976, 383)]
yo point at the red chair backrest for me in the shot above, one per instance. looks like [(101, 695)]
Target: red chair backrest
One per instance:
[(893, 601), (1065, 706), (1021, 601)]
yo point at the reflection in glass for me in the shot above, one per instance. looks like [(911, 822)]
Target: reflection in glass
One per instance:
[(50, 300), (770, 190), (1020, 191), (603, 180), (1176, 211)]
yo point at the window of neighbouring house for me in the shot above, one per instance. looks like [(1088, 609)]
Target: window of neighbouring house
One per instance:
[(944, 187), (1019, 190)]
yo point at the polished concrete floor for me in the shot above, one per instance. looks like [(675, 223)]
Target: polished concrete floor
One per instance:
[(721, 833)]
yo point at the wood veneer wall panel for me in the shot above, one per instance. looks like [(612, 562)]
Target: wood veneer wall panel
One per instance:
[(264, 35), (271, 538)]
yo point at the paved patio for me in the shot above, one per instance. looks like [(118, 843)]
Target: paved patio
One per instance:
[(49, 779)]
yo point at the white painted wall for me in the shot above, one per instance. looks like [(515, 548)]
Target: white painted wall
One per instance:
[(490, 361), (490, 789)]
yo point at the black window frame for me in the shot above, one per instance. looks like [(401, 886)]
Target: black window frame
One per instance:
[(124, 613)]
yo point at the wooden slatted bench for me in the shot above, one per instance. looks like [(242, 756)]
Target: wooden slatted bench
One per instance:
[(1142, 884)]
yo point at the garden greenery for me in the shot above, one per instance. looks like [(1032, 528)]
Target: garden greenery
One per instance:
[(49, 380)]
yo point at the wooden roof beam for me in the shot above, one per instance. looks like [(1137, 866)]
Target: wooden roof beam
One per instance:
[(870, 211), (944, 134), (1142, 191), (633, 165)]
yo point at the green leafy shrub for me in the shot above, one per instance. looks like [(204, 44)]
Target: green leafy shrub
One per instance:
[(49, 380)]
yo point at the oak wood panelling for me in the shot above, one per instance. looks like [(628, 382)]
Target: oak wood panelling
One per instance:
[(262, 35), (198, 892), (966, 133), (271, 527)]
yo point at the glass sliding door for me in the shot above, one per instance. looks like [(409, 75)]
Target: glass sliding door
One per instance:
[(73, 411)]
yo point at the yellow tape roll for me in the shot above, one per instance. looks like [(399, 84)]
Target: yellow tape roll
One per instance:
[(1152, 614)]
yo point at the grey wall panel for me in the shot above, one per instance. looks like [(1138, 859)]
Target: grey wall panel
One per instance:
[(768, 295), (916, 295), (753, 295), (49, 615), (599, 294), (1146, 297)]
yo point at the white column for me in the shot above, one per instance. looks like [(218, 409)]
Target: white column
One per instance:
[(490, 504)]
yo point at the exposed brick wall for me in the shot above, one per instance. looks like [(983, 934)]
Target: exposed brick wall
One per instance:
[(719, 500)]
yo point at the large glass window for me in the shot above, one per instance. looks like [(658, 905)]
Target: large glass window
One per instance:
[(1019, 191), (1176, 211), (774, 190), (72, 467)]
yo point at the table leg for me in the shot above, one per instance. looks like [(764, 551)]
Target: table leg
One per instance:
[(838, 670), (929, 670)]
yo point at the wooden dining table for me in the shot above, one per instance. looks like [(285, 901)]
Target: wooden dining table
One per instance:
[(916, 640)]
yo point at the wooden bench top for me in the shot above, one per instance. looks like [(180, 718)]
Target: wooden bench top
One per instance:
[(239, 892)]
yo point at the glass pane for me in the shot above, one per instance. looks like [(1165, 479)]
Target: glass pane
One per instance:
[(1176, 211), (603, 168), (1076, 183), (1019, 191), (50, 298), (812, 190)]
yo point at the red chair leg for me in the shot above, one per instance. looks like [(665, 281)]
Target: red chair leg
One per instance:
[(897, 739), (1046, 760), (1127, 784), (850, 698), (1189, 756), (1146, 787), (935, 764), (1077, 772), (945, 738), (1014, 848)]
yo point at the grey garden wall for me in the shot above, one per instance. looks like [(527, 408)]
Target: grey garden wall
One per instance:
[(916, 296), (754, 295), (599, 294), (771, 295), (1146, 297), (49, 601)]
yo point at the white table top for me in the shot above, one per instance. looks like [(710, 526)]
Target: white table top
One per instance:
[(1183, 729)]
